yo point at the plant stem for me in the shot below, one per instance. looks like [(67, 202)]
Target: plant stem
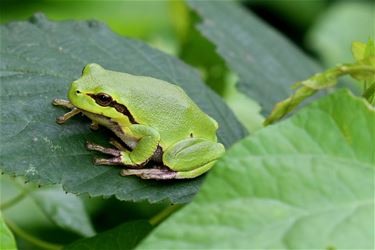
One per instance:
[(30, 238), (369, 92), (165, 213), (13, 201), (318, 82)]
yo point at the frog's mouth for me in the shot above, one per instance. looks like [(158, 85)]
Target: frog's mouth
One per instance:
[(99, 119)]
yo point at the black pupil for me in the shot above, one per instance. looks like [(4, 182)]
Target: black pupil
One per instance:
[(103, 99)]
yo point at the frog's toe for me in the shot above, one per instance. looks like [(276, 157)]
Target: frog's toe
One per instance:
[(109, 151), (94, 125), (67, 116), (63, 103), (111, 161), (151, 173), (117, 144)]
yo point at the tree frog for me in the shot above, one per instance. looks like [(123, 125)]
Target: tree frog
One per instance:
[(154, 121)]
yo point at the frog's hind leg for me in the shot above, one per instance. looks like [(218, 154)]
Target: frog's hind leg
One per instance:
[(186, 159), (195, 172), (158, 173), (192, 157), (164, 173)]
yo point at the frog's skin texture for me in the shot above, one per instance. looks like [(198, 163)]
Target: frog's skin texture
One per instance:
[(154, 120)]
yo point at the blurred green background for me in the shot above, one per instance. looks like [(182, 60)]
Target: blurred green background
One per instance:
[(324, 29)]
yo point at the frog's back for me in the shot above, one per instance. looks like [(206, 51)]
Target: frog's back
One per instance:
[(165, 107)]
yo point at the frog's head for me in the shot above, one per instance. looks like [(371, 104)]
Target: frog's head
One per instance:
[(92, 93)]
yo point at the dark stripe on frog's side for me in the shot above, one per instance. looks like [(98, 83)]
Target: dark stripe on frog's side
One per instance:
[(120, 108), (124, 110)]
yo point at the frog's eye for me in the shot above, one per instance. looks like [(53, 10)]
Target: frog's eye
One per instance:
[(103, 99)]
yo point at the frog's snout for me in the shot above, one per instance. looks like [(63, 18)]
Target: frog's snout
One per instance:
[(74, 92)]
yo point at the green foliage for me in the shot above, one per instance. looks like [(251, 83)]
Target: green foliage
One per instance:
[(305, 183), (53, 55), (265, 61), (133, 18), (6, 237)]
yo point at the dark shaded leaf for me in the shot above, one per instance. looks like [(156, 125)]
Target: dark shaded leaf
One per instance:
[(39, 59), (266, 62), (126, 236)]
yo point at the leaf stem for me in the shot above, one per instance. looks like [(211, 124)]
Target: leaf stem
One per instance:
[(369, 91), (13, 201), (165, 213), (30, 238), (318, 82)]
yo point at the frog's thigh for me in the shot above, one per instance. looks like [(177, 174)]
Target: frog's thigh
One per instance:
[(192, 156)]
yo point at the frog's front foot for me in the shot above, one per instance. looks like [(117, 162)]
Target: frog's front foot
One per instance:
[(108, 151), (64, 103), (116, 160), (120, 157), (94, 125)]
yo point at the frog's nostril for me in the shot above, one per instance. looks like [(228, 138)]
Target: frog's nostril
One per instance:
[(78, 92)]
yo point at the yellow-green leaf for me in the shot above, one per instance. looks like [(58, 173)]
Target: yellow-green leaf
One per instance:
[(304, 183)]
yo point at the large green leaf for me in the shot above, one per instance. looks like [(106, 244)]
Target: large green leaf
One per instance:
[(7, 241), (305, 183), (39, 59), (266, 62), (126, 236)]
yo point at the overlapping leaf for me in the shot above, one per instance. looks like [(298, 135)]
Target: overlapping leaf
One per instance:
[(39, 59), (306, 183), (50, 204), (65, 210)]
